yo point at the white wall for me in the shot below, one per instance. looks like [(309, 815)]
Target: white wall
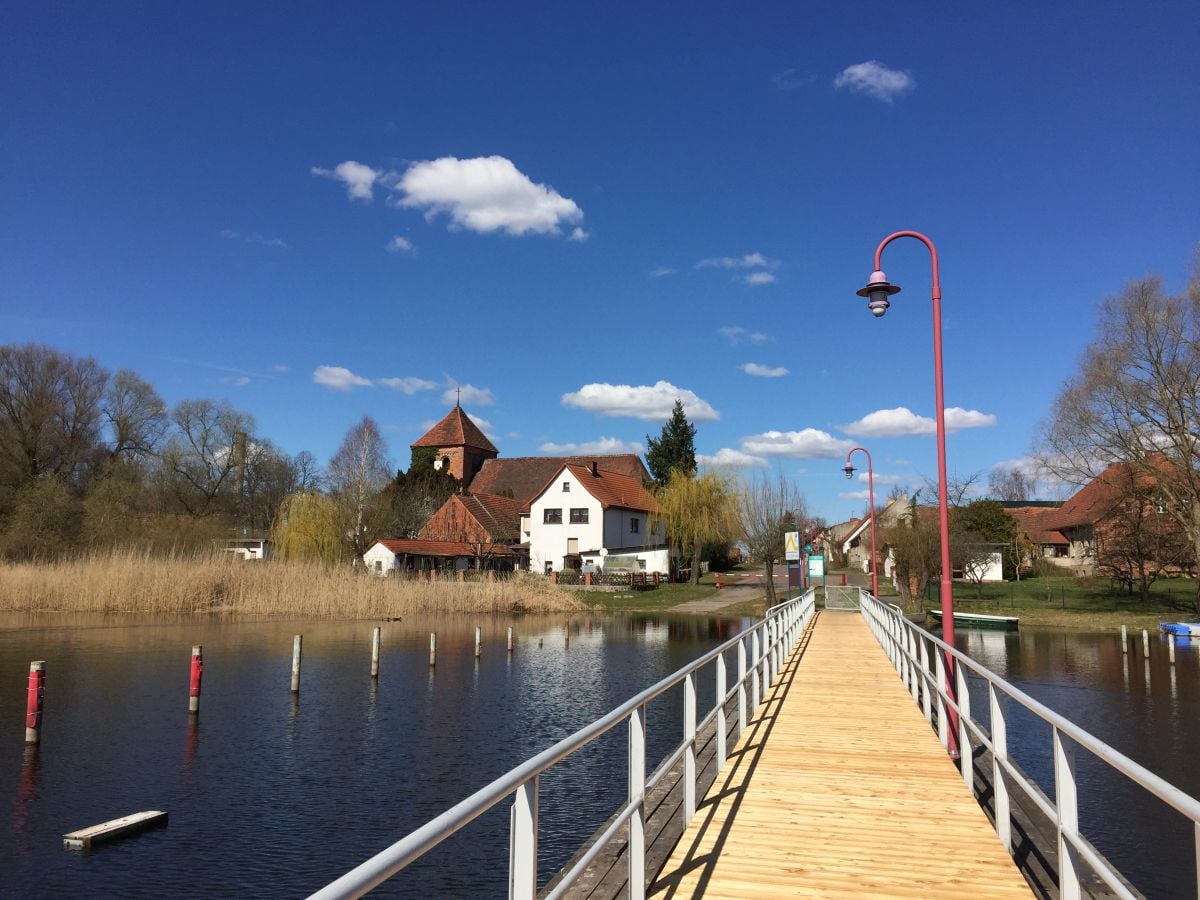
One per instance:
[(548, 543), (378, 553)]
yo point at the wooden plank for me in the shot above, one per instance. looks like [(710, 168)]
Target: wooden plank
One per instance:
[(839, 789), (114, 828)]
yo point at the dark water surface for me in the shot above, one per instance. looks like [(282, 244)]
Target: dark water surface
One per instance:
[(1148, 710), (273, 798)]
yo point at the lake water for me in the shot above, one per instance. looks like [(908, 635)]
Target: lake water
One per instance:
[(270, 797)]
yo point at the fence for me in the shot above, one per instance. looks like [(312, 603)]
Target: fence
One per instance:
[(761, 652), (911, 649)]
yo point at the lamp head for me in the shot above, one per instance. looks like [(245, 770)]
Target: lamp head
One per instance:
[(848, 469), (877, 291)]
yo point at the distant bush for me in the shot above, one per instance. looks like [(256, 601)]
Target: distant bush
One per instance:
[(1044, 568)]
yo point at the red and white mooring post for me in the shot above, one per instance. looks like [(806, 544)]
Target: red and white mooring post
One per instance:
[(33, 706), (197, 672)]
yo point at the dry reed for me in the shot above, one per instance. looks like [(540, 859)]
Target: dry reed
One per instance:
[(141, 583)]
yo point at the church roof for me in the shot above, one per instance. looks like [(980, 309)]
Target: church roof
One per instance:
[(455, 430), (525, 476)]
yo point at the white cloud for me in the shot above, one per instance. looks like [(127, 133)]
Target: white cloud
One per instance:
[(400, 244), (748, 261), (727, 456), (468, 393), (339, 378), (279, 367), (359, 179), (649, 402), (736, 334), (810, 443), (865, 478), (763, 371), (578, 234), (791, 80), (901, 422), (408, 386), (236, 380), (661, 271), (603, 446), (253, 238), (487, 194), (855, 495), (875, 80), (756, 278)]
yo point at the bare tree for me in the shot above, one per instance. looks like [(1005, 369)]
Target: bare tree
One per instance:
[(916, 549), (765, 504), (958, 487), (136, 416), (1136, 400), (357, 473), (1010, 484), (201, 460), (49, 412), (308, 472)]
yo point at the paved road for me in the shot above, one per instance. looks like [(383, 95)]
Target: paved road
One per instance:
[(741, 586)]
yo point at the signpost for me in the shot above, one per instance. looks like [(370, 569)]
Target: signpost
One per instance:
[(791, 553), (816, 568)]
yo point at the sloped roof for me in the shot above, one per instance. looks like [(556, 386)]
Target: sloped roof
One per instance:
[(612, 489), (440, 548), (499, 516), (1033, 521), (455, 430), (525, 476)]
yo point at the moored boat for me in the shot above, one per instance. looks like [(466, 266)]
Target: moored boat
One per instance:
[(978, 620), (1185, 629)]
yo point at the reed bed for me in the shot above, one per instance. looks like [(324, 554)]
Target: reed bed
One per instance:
[(141, 583)]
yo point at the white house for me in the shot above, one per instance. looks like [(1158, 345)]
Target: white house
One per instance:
[(585, 514)]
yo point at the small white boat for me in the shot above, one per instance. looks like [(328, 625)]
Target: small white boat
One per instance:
[(979, 620), (1183, 629)]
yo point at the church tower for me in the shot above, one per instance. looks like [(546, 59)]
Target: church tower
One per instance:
[(461, 447)]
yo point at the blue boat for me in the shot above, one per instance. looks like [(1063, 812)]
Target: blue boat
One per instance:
[(1183, 629)]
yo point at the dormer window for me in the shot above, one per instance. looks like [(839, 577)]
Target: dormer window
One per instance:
[(566, 487)]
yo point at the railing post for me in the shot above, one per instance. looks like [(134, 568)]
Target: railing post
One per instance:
[(720, 692), (741, 683), (943, 725), (1000, 755), (926, 700), (755, 693), (768, 649), (914, 675), (966, 759), (689, 753), (637, 796), (1066, 802), (522, 842)]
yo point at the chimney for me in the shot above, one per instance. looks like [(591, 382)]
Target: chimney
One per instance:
[(595, 470)]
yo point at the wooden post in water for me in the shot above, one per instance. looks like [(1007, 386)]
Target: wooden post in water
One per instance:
[(375, 652), (510, 639), (297, 645), (197, 673), (433, 648), (33, 704), (478, 641), (1171, 648), (1145, 644), (1124, 640)]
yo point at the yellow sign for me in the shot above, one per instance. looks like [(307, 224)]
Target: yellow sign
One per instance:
[(791, 545)]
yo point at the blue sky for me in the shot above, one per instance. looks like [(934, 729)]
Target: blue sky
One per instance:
[(579, 211)]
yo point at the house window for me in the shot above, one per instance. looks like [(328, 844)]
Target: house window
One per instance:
[(642, 564), (579, 516), (566, 487), (552, 516), (634, 524)]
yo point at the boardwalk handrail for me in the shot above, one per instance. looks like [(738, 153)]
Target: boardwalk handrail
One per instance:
[(908, 647), (770, 639)]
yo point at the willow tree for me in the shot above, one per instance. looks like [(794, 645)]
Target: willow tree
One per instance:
[(308, 528), (696, 510)]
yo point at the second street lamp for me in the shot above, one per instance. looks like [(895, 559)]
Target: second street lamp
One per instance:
[(849, 470)]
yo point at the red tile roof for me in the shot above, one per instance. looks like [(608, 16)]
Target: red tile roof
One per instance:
[(499, 516), (455, 430), (441, 548), (612, 489), (525, 476), (1094, 500), (1033, 522)]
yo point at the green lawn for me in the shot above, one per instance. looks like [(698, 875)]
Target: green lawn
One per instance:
[(656, 599)]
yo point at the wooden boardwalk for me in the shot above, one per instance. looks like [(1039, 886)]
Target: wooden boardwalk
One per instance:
[(839, 789)]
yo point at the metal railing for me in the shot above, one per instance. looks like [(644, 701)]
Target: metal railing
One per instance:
[(910, 647), (769, 641)]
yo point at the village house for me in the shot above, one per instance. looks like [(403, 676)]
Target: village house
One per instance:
[(482, 527), (586, 516)]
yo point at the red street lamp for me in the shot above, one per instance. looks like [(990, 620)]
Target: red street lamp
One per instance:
[(849, 470), (877, 291)]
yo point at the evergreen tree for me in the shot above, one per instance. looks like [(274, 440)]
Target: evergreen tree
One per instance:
[(674, 449)]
